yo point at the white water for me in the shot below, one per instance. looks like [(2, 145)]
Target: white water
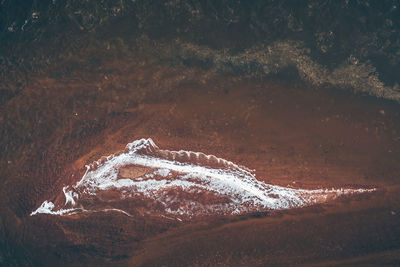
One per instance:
[(175, 179)]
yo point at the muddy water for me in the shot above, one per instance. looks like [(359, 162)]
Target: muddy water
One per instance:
[(276, 87), (291, 134)]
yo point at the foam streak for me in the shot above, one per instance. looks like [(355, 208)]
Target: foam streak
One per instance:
[(181, 183)]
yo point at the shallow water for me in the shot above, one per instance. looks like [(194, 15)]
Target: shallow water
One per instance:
[(288, 91)]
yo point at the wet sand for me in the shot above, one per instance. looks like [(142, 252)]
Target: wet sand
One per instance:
[(290, 134)]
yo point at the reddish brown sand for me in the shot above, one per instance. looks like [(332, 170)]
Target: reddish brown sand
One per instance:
[(290, 134)]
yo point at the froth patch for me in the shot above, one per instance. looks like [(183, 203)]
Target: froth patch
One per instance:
[(180, 183)]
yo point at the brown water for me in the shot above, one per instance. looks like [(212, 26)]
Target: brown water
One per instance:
[(291, 134), (244, 82)]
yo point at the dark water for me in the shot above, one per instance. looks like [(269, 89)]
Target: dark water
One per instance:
[(345, 44)]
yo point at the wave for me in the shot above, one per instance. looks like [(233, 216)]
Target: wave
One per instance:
[(148, 180), (264, 60)]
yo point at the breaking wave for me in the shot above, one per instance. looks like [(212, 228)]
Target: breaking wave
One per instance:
[(147, 180)]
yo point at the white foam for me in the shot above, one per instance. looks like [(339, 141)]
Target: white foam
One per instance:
[(162, 172), (234, 183), (69, 196), (47, 208)]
